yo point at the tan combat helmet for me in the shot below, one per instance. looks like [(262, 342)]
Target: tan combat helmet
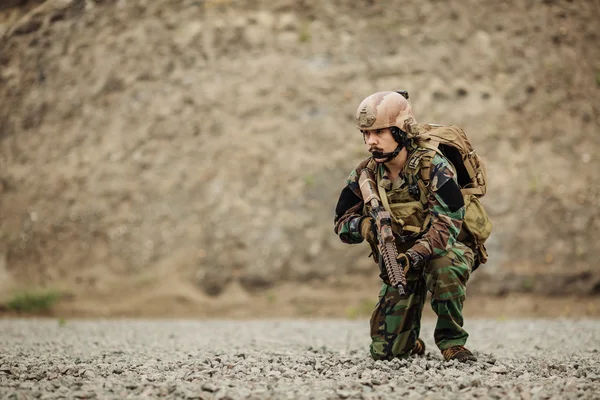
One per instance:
[(383, 110)]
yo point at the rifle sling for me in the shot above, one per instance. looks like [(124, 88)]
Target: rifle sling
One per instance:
[(386, 205)]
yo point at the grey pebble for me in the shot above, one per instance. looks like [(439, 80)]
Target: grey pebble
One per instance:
[(299, 359), (498, 369), (209, 387)]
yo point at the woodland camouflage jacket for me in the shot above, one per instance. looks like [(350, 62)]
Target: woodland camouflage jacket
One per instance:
[(445, 205)]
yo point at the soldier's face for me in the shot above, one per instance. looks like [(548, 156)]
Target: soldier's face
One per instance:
[(380, 140)]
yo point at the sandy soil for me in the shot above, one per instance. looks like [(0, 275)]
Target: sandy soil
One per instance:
[(161, 155)]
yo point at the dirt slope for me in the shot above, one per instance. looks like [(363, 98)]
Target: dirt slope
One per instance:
[(175, 149)]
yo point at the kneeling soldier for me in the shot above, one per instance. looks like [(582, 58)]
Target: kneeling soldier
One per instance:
[(419, 188)]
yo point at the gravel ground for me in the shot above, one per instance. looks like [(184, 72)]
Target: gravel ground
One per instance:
[(295, 359)]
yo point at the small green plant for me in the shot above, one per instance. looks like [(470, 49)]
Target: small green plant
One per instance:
[(304, 34), (309, 180), (533, 184), (62, 322), (366, 306), (598, 77), (33, 301), (363, 309), (527, 284), (351, 312)]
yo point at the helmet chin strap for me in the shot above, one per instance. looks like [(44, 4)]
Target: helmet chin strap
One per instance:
[(388, 156)]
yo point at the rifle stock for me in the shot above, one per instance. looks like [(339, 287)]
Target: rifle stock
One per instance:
[(386, 243)]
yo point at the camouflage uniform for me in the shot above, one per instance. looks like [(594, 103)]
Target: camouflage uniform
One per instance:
[(395, 323)]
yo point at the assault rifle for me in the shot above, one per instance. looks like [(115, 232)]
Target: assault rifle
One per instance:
[(386, 244)]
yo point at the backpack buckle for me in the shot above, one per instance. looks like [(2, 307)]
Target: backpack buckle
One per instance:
[(414, 191)]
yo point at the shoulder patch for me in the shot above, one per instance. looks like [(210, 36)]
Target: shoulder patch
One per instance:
[(415, 159), (421, 161)]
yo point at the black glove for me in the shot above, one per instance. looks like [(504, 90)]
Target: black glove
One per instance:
[(412, 260)]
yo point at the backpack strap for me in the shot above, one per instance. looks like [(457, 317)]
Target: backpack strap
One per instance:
[(472, 191), (426, 142), (468, 163), (419, 164), (384, 198)]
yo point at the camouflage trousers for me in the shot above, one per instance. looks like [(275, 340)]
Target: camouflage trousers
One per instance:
[(396, 320)]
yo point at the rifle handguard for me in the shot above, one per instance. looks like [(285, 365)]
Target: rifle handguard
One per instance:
[(396, 274), (385, 237), (405, 261)]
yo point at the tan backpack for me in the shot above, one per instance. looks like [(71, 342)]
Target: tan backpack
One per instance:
[(452, 142)]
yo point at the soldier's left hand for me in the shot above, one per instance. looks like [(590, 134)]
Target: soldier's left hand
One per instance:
[(415, 260), (404, 262)]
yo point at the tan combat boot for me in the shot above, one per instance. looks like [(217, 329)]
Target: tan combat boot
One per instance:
[(460, 353), (419, 348)]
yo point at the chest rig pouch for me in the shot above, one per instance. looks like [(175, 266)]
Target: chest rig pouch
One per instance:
[(408, 204)]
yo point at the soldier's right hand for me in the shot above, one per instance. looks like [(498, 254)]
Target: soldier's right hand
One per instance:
[(367, 230)]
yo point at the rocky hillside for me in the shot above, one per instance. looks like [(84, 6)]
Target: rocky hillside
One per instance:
[(146, 144)]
